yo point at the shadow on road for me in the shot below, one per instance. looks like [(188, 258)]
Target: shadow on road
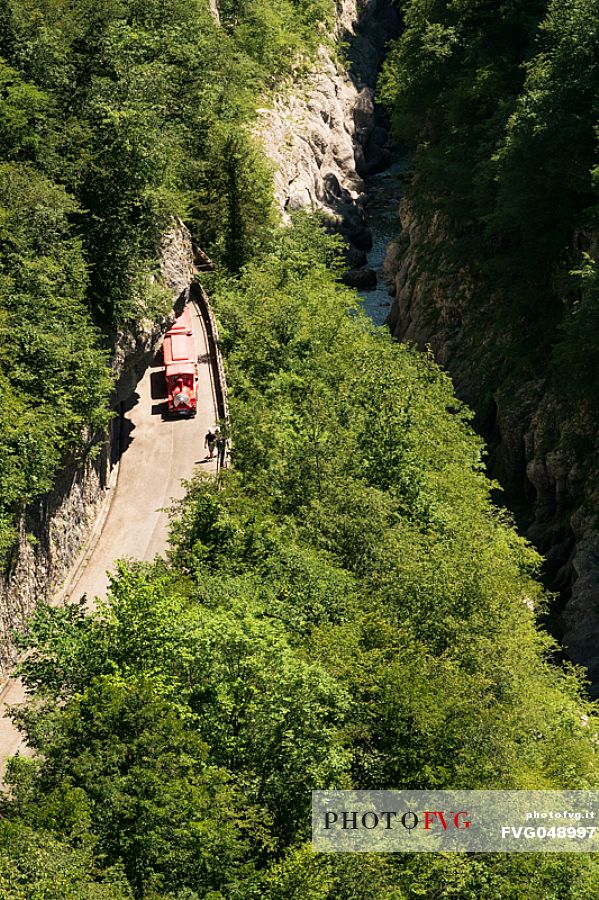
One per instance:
[(158, 386), (126, 425)]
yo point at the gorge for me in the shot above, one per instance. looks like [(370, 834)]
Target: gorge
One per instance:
[(323, 147), (345, 607), (494, 268)]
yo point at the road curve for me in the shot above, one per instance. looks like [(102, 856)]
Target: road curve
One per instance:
[(157, 455)]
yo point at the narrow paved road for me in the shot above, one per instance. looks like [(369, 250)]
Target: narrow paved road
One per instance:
[(158, 455)]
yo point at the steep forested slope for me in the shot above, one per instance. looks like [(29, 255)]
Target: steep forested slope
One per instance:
[(115, 117), (346, 607), (501, 103)]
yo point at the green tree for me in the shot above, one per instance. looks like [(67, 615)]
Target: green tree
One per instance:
[(35, 864), (54, 374)]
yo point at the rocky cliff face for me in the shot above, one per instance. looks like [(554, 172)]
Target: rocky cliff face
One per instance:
[(321, 133), (534, 440), (55, 528), (51, 533)]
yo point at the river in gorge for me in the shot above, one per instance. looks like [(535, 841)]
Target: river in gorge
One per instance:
[(384, 192)]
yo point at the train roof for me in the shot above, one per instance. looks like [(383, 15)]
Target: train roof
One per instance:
[(185, 368), (182, 324), (179, 348)]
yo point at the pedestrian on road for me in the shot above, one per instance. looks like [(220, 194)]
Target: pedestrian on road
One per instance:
[(220, 446), (210, 442)]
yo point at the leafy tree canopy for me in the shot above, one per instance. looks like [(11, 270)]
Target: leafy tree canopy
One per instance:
[(344, 609)]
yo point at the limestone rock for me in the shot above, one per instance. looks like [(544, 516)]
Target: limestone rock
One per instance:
[(215, 10), (310, 138), (362, 279), (317, 131), (176, 258), (580, 618), (532, 436)]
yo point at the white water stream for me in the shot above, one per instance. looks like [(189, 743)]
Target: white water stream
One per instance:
[(384, 193)]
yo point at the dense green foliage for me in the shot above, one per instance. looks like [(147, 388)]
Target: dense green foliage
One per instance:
[(53, 377), (115, 116), (501, 101), (344, 608)]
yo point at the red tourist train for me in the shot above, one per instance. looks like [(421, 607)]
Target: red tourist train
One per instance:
[(181, 366)]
